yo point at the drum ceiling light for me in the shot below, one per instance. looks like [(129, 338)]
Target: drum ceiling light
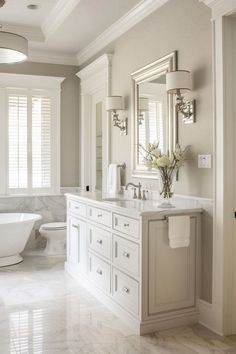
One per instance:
[(13, 48)]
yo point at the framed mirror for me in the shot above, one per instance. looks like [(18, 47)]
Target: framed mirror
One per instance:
[(153, 113)]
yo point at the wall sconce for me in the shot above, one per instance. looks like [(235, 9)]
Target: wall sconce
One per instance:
[(114, 104), (179, 82), (143, 107)]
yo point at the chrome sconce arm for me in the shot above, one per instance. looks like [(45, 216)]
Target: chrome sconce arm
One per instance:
[(122, 124), (177, 83), (114, 104), (186, 108)]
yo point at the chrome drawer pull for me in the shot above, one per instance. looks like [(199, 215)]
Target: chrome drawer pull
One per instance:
[(75, 226), (126, 254), (99, 241), (77, 207), (99, 271), (126, 225), (125, 290), (99, 215)]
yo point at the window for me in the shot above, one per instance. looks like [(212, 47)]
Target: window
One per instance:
[(17, 142), (32, 138), (152, 128)]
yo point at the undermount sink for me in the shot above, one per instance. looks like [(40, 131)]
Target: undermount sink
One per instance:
[(114, 199)]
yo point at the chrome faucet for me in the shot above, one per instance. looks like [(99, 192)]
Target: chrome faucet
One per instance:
[(139, 186)]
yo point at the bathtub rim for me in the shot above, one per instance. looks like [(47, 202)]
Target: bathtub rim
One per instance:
[(35, 217)]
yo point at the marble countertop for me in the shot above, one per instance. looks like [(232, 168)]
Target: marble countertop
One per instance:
[(138, 207)]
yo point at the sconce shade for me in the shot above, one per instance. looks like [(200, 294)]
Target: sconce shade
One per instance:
[(13, 48), (114, 103), (178, 82), (143, 104)]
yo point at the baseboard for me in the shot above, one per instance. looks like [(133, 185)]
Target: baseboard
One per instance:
[(172, 321), (206, 317)]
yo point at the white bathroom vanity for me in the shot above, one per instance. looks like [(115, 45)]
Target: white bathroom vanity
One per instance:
[(119, 250)]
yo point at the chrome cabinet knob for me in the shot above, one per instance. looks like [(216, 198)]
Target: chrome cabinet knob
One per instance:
[(125, 290), (126, 254)]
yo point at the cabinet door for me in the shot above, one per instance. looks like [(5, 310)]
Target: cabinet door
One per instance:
[(77, 243), (171, 271)]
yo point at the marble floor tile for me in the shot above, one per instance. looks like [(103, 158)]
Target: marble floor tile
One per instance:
[(44, 310)]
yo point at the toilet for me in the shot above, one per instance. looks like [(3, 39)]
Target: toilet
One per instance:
[(55, 233)]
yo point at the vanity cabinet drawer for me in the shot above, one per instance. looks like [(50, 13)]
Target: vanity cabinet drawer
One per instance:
[(126, 255), (99, 215), (126, 225), (126, 291), (100, 241), (77, 208), (100, 272)]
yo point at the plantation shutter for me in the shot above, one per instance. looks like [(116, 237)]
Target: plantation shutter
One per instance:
[(17, 142), (29, 142), (151, 129), (41, 142), (156, 123)]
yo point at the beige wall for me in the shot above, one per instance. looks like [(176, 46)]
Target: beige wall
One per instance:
[(69, 113), (182, 25)]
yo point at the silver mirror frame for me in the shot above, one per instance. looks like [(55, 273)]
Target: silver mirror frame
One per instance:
[(158, 67)]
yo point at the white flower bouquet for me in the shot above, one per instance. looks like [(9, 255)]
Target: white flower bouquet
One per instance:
[(167, 165)]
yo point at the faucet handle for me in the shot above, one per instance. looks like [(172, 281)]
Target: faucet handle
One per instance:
[(139, 191), (144, 195)]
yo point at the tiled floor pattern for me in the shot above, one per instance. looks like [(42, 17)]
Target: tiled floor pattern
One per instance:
[(43, 310)]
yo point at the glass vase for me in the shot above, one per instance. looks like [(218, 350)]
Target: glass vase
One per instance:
[(166, 190)]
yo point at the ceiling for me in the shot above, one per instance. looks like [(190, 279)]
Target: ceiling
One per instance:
[(72, 31), (16, 12)]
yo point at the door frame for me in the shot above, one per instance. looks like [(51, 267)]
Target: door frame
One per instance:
[(95, 82), (220, 316)]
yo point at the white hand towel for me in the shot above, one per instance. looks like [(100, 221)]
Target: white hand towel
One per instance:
[(179, 231), (113, 179)]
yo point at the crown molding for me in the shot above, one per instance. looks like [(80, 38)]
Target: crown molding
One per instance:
[(209, 3), (11, 80), (103, 62), (34, 34), (58, 15), (126, 22), (38, 56), (220, 7)]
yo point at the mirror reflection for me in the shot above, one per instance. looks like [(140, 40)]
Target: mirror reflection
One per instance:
[(152, 115)]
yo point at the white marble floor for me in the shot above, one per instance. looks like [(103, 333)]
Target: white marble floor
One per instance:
[(43, 310)]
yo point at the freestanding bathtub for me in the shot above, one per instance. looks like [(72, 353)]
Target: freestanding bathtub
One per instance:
[(15, 229)]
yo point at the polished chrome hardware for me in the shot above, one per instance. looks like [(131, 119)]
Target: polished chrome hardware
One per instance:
[(99, 241), (123, 166), (139, 186), (77, 207), (126, 254), (99, 215), (99, 271), (135, 194), (144, 195), (75, 226), (125, 290), (126, 225)]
